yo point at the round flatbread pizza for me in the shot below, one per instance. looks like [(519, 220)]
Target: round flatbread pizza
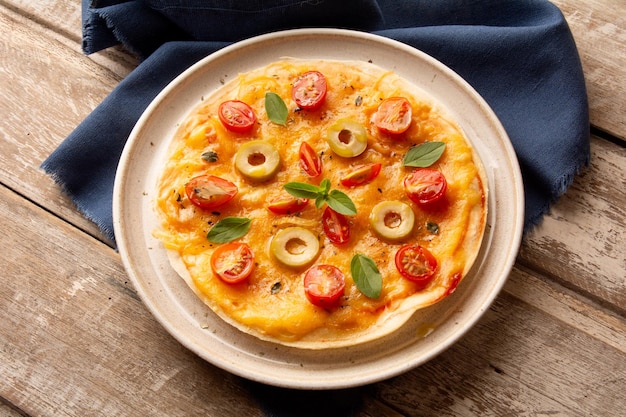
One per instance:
[(320, 203)]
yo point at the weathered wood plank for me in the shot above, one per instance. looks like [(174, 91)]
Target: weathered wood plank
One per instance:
[(77, 341), (9, 411), (599, 29), (581, 243), (374, 408), (64, 18), (46, 90), (567, 306)]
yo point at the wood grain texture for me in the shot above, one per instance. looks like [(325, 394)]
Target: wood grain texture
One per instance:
[(599, 29), (64, 19), (59, 87), (582, 242), (77, 341), (7, 410), (64, 16)]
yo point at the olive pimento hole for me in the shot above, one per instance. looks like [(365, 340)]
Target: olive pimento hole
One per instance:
[(256, 159), (296, 246), (345, 136), (392, 220)]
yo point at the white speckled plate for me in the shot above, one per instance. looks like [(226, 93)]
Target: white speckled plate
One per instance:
[(430, 332)]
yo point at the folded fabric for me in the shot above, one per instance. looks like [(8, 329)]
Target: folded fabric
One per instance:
[(518, 54)]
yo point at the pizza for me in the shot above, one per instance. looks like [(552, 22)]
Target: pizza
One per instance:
[(320, 203)]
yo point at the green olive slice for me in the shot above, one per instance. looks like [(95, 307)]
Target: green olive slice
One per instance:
[(392, 220), (295, 246), (257, 160), (347, 138)]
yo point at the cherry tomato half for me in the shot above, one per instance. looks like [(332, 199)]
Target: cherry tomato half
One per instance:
[(336, 226), (324, 285), (287, 205), (361, 175), (309, 90), (416, 263), (209, 191), (232, 262), (236, 116), (425, 185), (394, 115), (310, 161)]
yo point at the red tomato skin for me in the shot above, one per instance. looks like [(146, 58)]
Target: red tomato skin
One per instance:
[(200, 191), (394, 115), (425, 264), (361, 175), (327, 278), (310, 161), (287, 205), (309, 90), (425, 186), (456, 279), (242, 253), (236, 116), (336, 226)]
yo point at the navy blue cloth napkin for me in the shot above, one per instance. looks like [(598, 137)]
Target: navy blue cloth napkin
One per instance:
[(518, 54)]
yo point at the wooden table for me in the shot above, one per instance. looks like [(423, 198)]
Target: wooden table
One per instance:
[(77, 341)]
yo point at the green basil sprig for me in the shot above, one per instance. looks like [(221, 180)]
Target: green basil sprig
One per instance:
[(229, 229), (366, 275), (276, 108), (424, 155), (336, 200)]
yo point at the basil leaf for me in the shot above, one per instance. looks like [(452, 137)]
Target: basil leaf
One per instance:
[(228, 229), (319, 201), (424, 154), (366, 275), (302, 190), (337, 200), (276, 108), (325, 186), (341, 203)]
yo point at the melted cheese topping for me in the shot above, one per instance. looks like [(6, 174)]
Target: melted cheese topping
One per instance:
[(354, 91)]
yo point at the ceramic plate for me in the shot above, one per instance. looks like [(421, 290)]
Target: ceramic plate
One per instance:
[(430, 332)]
